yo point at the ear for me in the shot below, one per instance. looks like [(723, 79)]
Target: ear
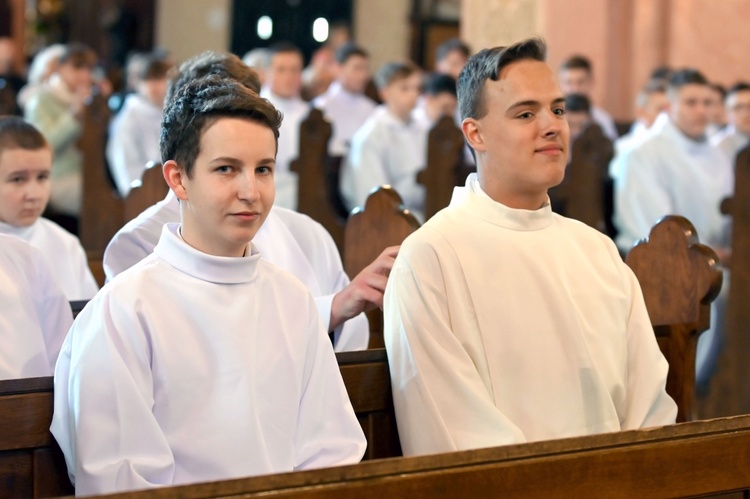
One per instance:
[(472, 130), (175, 177)]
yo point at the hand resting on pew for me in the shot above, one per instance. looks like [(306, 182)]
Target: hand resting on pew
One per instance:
[(365, 292)]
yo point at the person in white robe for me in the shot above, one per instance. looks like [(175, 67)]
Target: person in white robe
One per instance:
[(290, 240), (282, 88), (391, 147), (261, 392), (438, 99), (651, 106), (577, 77), (25, 165), (134, 132), (505, 322), (345, 104), (736, 136), (34, 314), (677, 171)]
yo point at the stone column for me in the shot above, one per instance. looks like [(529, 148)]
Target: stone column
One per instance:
[(489, 23)]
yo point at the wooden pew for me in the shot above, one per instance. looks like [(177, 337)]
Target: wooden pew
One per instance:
[(151, 190), (445, 157), (729, 393), (581, 195), (679, 278), (31, 463), (685, 460), (7, 98), (381, 223), (318, 176), (101, 208)]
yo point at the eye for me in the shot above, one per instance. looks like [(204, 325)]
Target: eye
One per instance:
[(43, 176), (16, 180), (560, 111), (526, 115), (223, 169), (264, 170)]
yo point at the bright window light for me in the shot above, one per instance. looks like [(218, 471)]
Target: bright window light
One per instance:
[(320, 29), (265, 28)]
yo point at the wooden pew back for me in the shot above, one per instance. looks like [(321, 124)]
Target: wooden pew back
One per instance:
[(7, 98), (383, 222), (101, 208), (686, 460), (445, 147), (151, 190), (726, 396), (581, 195), (315, 169), (679, 278), (31, 463)]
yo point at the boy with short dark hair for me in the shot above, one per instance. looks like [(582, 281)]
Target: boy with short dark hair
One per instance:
[(189, 367), (438, 100), (134, 132), (390, 147), (345, 103), (25, 166)]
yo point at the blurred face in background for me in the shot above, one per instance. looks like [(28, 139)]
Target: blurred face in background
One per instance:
[(690, 108), (738, 111), (576, 81), (354, 74), (78, 79), (284, 75), (451, 64)]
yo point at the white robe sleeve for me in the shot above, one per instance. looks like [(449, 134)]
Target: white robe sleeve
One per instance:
[(647, 402), (123, 251), (440, 399), (640, 198), (328, 433), (103, 410)]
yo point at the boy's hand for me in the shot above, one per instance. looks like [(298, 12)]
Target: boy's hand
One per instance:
[(365, 292)]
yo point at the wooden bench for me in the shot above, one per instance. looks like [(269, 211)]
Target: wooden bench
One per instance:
[(729, 393), (581, 195), (151, 189), (685, 460), (445, 158), (317, 174), (381, 223), (101, 208), (679, 278)]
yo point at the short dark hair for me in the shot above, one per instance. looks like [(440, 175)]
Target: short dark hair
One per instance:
[(394, 71), (577, 103), (437, 83), (223, 64), (687, 76), (199, 104), (16, 133), (285, 48), (577, 62), (740, 86), (661, 73), (78, 55), (154, 68), (347, 50), (486, 65), (452, 45)]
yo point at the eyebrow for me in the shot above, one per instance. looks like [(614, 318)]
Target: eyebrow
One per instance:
[(235, 161), (534, 103)]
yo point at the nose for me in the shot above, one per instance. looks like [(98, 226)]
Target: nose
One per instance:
[(34, 191), (247, 189), (551, 124)]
